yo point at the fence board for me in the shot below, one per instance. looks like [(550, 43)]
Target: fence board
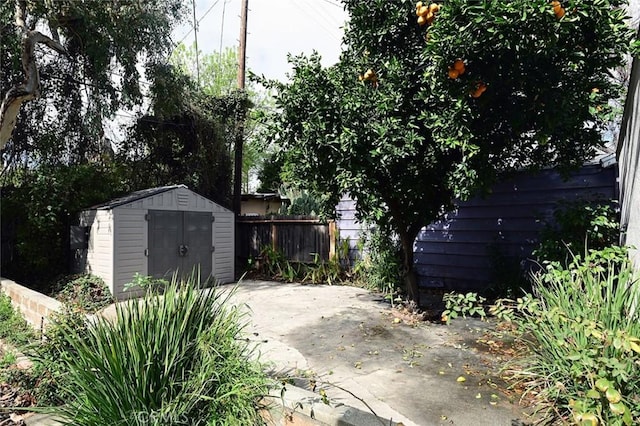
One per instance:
[(299, 238)]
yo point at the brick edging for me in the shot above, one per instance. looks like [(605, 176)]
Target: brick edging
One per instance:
[(35, 307)]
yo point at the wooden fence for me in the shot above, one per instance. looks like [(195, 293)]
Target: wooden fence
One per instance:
[(299, 238)]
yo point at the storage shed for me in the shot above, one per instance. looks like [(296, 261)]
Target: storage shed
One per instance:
[(156, 232)]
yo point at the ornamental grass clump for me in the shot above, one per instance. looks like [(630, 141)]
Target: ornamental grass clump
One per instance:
[(174, 359), (584, 336)]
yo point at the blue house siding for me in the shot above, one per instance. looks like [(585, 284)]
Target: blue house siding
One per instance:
[(459, 251)]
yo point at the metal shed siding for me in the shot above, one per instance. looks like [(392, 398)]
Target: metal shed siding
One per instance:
[(629, 161), (224, 238), (459, 252), (99, 259), (119, 234), (130, 231)]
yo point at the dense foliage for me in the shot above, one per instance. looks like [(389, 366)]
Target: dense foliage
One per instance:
[(38, 207), (113, 117), (109, 44), (413, 115), (583, 331), (175, 359)]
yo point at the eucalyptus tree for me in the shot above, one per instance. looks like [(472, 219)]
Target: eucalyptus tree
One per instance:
[(58, 100), (431, 102)]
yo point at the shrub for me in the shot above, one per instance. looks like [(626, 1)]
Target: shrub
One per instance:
[(172, 359), (14, 329), (380, 265), (584, 336), (88, 292), (576, 226), (49, 373)]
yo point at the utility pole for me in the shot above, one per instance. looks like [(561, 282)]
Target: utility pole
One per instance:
[(195, 34), (242, 55)]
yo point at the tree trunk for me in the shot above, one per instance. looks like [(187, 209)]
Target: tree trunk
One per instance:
[(408, 273), (30, 87)]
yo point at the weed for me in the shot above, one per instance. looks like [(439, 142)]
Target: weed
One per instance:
[(457, 304), (86, 291), (380, 265), (14, 329), (146, 283)]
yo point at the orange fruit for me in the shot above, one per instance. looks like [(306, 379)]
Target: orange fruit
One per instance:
[(479, 90), (422, 11), (453, 74), (559, 12), (434, 7), (422, 20), (554, 3), (419, 5), (369, 75), (459, 66)]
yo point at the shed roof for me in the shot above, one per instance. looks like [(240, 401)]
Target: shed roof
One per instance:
[(134, 196)]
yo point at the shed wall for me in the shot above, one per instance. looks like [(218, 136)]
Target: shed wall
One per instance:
[(99, 260), (130, 236), (224, 240), (175, 199)]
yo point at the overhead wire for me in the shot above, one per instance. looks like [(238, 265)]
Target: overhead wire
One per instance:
[(198, 21), (329, 31)]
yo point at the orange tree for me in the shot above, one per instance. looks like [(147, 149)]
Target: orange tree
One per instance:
[(432, 102)]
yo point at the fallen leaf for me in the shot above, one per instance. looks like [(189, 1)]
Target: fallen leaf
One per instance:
[(479, 395), (461, 379)]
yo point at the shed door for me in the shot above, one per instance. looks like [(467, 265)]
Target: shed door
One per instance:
[(179, 241)]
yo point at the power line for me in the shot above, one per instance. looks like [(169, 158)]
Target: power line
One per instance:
[(333, 4), (199, 20), (329, 31)]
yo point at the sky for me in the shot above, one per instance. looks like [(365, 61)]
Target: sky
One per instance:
[(275, 28)]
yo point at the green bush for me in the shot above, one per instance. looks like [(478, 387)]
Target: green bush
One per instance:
[(86, 291), (13, 327), (380, 265), (576, 227), (49, 373), (172, 359), (584, 337)]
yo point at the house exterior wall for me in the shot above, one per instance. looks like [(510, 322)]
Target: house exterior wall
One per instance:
[(260, 207), (99, 259), (348, 227), (460, 252), (629, 161)]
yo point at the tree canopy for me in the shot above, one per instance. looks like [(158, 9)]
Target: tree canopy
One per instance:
[(415, 113), (109, 45)]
